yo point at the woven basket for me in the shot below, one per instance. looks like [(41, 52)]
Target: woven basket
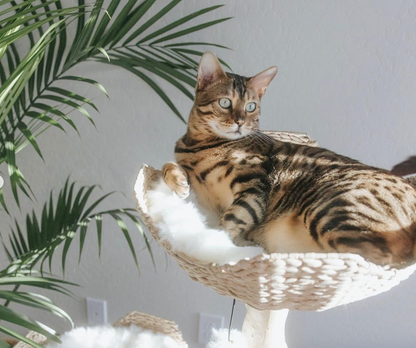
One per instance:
[(35, 337), (155, 324), (143, 320), (308, 282)]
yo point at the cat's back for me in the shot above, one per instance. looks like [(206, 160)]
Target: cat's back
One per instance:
[(217, 170), (341, 204)]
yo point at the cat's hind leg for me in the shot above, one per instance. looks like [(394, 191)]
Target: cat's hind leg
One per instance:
[(372, 246), (176, 178)]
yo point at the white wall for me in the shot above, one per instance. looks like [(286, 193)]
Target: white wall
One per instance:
[(347, 76)]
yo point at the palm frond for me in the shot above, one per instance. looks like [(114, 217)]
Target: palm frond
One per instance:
[(23, 277), (121, 38), (30, 102), (60, 222)]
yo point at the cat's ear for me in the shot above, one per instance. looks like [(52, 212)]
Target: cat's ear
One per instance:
[(209, 70), (260, 82)]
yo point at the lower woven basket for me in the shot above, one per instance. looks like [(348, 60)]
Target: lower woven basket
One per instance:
[(295, 281), (143, 320)]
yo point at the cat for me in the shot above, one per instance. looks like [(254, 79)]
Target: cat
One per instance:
[(283, 196)]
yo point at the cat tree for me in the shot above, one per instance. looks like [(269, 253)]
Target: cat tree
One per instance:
[(271, 285)]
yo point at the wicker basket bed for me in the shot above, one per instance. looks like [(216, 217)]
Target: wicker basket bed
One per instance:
[(272, 284), (295, 281)]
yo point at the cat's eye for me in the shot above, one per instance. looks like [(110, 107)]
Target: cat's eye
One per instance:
[(250, 107), (225, 103)]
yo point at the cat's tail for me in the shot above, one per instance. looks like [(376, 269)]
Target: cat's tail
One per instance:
[(406, 167)]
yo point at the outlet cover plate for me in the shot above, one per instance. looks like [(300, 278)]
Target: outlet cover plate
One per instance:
[(97, 311)]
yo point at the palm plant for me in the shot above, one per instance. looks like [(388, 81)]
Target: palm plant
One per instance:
[(36, 58)]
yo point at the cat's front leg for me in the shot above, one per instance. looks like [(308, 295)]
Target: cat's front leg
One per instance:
[(246, 212), (176, 178)]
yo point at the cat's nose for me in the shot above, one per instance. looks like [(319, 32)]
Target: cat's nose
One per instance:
[(240, 122)]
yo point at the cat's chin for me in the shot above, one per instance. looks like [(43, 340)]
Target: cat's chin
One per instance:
[(232, 135)]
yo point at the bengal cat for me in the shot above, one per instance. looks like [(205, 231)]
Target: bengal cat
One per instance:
[(284, 196)]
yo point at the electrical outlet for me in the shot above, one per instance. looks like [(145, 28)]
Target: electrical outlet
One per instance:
[(206, 323), (97, 311)]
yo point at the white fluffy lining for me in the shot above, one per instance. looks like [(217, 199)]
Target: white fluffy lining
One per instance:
[(219, 339), (180, 222), (114, 337)]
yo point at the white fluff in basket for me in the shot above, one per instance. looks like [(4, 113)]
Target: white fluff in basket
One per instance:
[(184, 227), (114, 337), (219, 339)]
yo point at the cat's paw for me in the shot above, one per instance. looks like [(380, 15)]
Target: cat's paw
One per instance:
[(176, 178)]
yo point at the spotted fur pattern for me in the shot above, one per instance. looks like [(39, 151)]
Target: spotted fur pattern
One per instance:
[(284, 196)]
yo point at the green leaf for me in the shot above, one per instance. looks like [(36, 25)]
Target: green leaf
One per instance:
[(10, 91), (19, 337), (154, 68), (16, 177), (179, 22), (72, 95), (12, 37), (54, 111), (103, 51), (119, 22), (152, 64), (84, 32), (125, 231), (19, 12), (30, 137), (180, 44), (134, 18), (199, 54), (83, 79), (181, 63), (69, 103), (13, 317), (42, 117), (62, 36), (151, 83), (34, 301), (68, 237), (7, 33), (105, 20), (140, 228), (151, 21), (2, 201), (190, 30), (82, 235), (99, 223)]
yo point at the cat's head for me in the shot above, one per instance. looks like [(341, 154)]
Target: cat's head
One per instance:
[(227, 105)]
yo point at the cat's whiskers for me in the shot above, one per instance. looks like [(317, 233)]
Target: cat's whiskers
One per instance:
[(267, 139), (258, 139)]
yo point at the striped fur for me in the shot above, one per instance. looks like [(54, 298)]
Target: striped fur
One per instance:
[(288, 197)]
